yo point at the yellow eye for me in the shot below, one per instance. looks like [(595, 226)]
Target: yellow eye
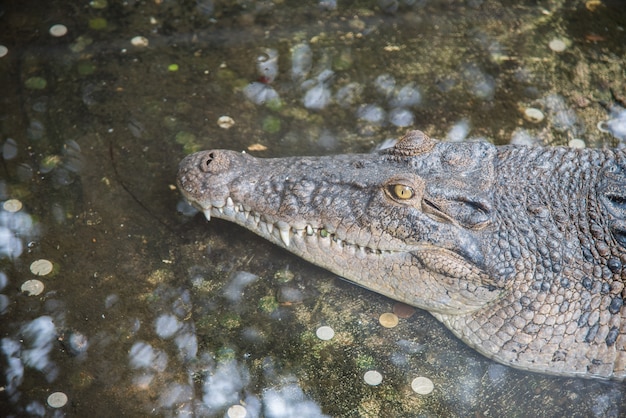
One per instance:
[(402, 192)]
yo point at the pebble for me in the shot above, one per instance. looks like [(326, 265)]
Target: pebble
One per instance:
[(225, 122), (12, 205), (534, 115), (325, 333), (41, 267), (557, 45), (58, 30), (140, 41), (57, 399), (32, 287), (422, 385), (373, 378)]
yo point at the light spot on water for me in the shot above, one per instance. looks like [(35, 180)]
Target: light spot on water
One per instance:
[(260, 93), (9, 149), (317, 97), (166, 326), (239, 280), (325, 333), (57, 400), (459, 131), (373, 378)]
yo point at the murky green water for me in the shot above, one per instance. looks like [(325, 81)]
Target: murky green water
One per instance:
[(149, 311)]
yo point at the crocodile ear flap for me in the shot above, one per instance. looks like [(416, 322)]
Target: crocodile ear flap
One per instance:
[(612, 193)]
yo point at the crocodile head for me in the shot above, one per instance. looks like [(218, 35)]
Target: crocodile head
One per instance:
[(519, 251), (406, 222)]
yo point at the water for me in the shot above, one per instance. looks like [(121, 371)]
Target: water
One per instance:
[(152, 311)]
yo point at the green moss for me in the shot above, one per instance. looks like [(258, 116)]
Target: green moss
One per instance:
[(36, 83), (98, 23), (271, 124), (268, 304), (230, 320)]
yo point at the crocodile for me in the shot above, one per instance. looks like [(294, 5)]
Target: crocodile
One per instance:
[(520, 251)]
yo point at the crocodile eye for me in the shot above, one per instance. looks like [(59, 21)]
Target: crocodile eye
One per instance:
[(401, 192)]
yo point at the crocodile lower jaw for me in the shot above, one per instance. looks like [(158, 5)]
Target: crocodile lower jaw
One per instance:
[(280, 231)]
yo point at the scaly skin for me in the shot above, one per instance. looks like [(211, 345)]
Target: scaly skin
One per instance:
[(519, 251)]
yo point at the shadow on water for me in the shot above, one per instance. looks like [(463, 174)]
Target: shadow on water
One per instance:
[(150, 310)]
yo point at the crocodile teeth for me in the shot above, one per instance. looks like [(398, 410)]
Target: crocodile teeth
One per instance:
[(284, 231), (207, 214)]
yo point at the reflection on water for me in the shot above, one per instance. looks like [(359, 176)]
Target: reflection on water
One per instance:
[(150, 311)]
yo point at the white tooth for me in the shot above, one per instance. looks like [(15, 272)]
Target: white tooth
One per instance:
[(207, 214), (220, 210), (309, 230), (229, 202), (284, 235), (270, 227)]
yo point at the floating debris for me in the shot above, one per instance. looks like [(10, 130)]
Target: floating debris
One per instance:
[(58, 30), (3, 51), (172, 67), (422, 385), (140, 41), (257, 147), (533, 115), (325, 333), (225, 122), (388, 320), (41, 267), (12, 205), (57, 400), (373, 378), (557, 45), (237, 411), (33, 287)]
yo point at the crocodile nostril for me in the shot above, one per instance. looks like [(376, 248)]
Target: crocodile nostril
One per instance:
[(206, 161)]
